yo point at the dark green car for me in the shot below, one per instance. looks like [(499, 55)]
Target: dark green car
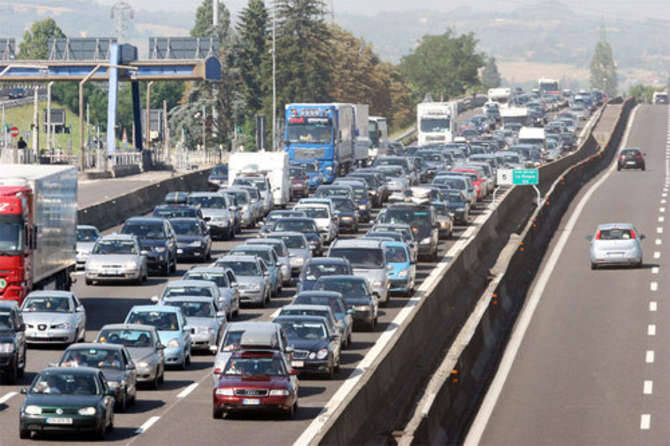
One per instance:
[(67, 400)]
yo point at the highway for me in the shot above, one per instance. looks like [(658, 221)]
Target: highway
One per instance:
[(587, 362), (95, 191), (180, 412)]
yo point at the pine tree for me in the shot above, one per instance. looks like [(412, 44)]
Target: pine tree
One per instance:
[(603, 67), (490, 75)]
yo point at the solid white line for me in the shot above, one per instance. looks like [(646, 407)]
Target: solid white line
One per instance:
[(648, 387), (521, 326), (651, 330), (147, 424), (645, 421), (184, 393), (653, 306), (657, 255), (649, 357), (655, 269), (8, 397), (653, 286)]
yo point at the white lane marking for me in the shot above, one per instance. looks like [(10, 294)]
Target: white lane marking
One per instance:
[(649, 357), (147, 424), (657, 255), (523, 321), (645, 422), (653, 306), (275, 314), (184, 393), (653, 286), (659, 230), (655, 269), (664, 194), (648, 387), (651, 330), (8, 396), (658, 241), (661, 219), (661, 210)]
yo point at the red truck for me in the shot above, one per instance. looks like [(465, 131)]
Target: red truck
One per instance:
[(38, 220)]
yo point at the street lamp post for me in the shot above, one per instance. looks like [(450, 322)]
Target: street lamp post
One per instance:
[(274, 76)]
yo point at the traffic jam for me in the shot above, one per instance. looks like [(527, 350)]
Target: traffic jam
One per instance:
[(338, 240)]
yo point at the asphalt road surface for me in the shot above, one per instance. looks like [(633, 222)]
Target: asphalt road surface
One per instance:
[(95, 191), (593, 365)]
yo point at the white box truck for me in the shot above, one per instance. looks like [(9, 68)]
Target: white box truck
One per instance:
[(362, 138), (272, 165), (436, 122)]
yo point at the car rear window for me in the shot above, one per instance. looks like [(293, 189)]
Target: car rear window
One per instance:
[(615, 234)]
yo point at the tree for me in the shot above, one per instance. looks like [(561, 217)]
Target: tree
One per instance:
[(443, 65), (252, 56), (603, 67), (490, 75), (643, 93), (35, 43)]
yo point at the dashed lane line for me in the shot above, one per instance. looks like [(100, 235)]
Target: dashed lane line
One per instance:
[(649, 357), (648, 387), (653, 306), (147, 424), (8, 396), (645, 422), (651, 330)]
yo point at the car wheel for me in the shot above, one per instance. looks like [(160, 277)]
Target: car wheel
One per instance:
[(100, 432), (174, 265), (349, 340), (122, 405), (643, 167), (331, 372), (594, 266), (22, 370), (373, 324), (24, 434), (290, 413), (165, 271), (162, 378), (156, 382), (217, 414), (12, 373)]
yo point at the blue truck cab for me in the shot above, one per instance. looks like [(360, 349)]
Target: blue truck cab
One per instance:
[(321, 132)]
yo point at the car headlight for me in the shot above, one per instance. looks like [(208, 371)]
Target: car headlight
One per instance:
[(64, 325), (113, 384), (278, 392), (299, 260), (328, 169), (444, 224), (143, 364), (460, 209), (195, 244), (131, 265), (402, 274), (426, 241), (362, 307), (362, 207), (322, 354), (7, 347), (254, 287), (87, 410), (33, 410), (377, 284), (224, 392), (173, 343), (160, 249)]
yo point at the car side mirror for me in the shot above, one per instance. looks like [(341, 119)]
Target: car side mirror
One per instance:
[(22, 327), (642, 236), (350, 311), (189, 329), (234, 285), (160, 346), (130, 366), (266, 274), (289, 349), (154, 299), (23, 391), (389, 267), (80, 309), (589, 238), (207, 218), (110, 392), (221, 314)]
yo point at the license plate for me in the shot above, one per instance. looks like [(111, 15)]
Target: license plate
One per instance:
[(251, 402), (180, 251), (59, 420), (630, 163), (615, 254), (112, 272), (297, 363), (42, 334)]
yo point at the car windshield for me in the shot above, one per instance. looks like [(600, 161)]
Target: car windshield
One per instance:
[(128, 338), (172, 291), (296, 329), (435, 124), (615, 234), (263, 254), (194, 309), (6, 321), (162, 320), (220, 171), (218, 278), (396, 254), (101, 358), (208, 201), (293, 241), (175, 212), (110, 247), (314, 271), (186, 227), (145, 230), (62, 383), (360, 257), (315, 212), (87, 235), (309, 130), (334, 304), (457, 183), (47, 304), (241, 197), (408, 216), (296, 172), (295, 225), (11, 236), (348, 288), (255, 366), (344, 204), (242, 268), (331, 191), (258, 183), (232, 340)]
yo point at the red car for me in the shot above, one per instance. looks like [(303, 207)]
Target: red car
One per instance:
[(477, 181), (256, 381), (299, 182)]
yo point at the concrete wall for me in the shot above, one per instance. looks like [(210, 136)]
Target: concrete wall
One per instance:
[(384, 397), (107, 214)]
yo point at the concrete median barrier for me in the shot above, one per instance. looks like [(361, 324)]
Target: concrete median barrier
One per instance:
[(454, 402), (109, 213), (382, 402)]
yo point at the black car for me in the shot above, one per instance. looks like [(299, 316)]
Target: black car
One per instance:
[(177, 211), (176, 198), (193, 238), (13, 340), (270, 219), (301, 224), (158, 242), (458, 205), (422, 220), (321, 266), (348, 214), (357, 297), (218, 177), (66, 399), (631, 158)]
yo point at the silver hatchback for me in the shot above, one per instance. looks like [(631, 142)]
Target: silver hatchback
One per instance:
[(616, 244)]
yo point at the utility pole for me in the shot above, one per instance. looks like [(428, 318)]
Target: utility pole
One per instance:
[(49, 131), (147, 118), (274, 75), (204, 128), (88, 125), (36, 123), (166, 133)]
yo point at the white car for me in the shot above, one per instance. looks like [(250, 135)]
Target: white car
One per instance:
[(53, 317), (324, 218)]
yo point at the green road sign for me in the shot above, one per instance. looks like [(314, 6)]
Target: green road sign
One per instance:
[(525, 177)]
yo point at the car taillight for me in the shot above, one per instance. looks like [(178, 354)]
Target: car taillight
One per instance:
[(639, 157), (621, 157), (598, 235), (217, 371), (632, 234)]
